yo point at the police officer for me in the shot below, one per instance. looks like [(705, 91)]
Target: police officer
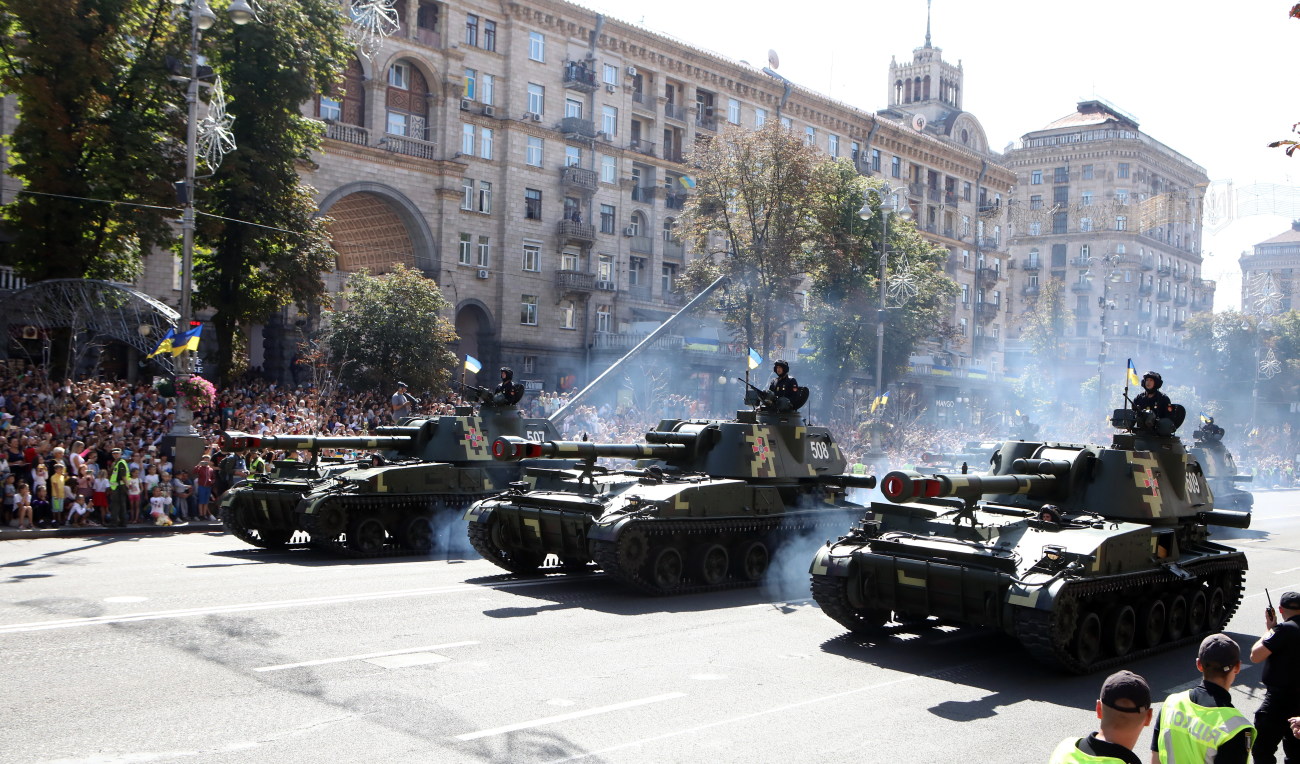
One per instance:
[(507, 392), (1124, 708), (1200, 724), (1279, 650), (783, 386), (117, 496)]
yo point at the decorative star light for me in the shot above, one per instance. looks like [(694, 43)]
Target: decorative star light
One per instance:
[(214, 136), (1262, 295), (373, 21), (1270, 366), (903, 285)]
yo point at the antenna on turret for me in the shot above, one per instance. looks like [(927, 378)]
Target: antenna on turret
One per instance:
[(927, 23)]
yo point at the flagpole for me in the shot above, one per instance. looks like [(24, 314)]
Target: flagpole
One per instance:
[(1128, 372)]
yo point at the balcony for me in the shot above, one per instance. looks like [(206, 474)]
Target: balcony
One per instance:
[(578, 77), (577, 127), (1179, 325), (989, 243), (989, 210), (987, 276), (674, 248), (1164, 270), (642, 146), (1162, 321), (347, 133), (916, 189), (949, 233), (950, 198), (1144, 316), (1030, 290), (984, 343), (1081, 262), (643, 245), (1201, 303), (934, 194), (644, 194), (1164, 295), (1081, 287), (706, 121), (1032, 265), (674, 298), (574, 281), (429, 37), (1180, 276), (579, 178), (1145, 290), (675, 111), (643, 101), (639, 292), (986, 311), (1180, 302), (411, 147), (675, 201), (624, 342), (568, 230), (1146, 263)]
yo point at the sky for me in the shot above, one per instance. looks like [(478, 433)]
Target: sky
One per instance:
[(1208, 79)]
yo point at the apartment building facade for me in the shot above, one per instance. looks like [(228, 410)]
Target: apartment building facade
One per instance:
[(1267, 274), (1114, 215)]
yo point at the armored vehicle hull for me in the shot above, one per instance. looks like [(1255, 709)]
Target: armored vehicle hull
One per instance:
[(1221, 469), (708, 507), (1090, 556)]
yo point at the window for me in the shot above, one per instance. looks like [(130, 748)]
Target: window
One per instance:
[(487, 89), (787, 123), (567, 314), (608, 218), (608, 169), (1036, 178), (1036, 202), (330, 108), (1087, 172), (528, 310), (1121, 196), (1059, 222), (399, 76), (833, 145), (466, 244), (605, 268), (760, 117), (484, 249), (1060, 175), (1061, 196), (1085, 224), (537, 46), (603, 322), (533, 151), (610, 74), (1123, 170), (485, 197), (635, 271), (471, 29), (1085, 252), (471, 80), (532, 204), (875, 160), (965, 225), (1058, 255), (532, 257), (733, 111), (1085, 198), (572, 156), (536, 98), (489, 35), (573, 108), (1121, 223), (810, 135), (396, 124), (961, 326), (637, 224), (467, 140), (568, 260), (896, 167), (667, 277), (485, 142), (609, 121), (965, 294), (1035, 228), (466, 194), (966, 191)]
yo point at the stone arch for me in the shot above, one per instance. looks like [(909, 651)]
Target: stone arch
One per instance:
[(376, 226), (474, 327), (430, 73)]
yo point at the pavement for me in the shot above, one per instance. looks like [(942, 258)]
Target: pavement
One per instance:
[(135, 529)]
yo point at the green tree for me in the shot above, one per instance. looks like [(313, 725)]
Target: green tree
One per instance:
[(98, 123), (277, 252), (391, 328), (1042, 325), (749, 217)]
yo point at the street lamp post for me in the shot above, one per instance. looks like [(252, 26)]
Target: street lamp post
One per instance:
[(889, 202), (1110, 273)]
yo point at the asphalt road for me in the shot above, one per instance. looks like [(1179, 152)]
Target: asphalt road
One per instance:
[(197, 648)]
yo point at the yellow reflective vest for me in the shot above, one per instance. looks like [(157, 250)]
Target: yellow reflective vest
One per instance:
[(1068, 753), (120, 468), (1190, 733)]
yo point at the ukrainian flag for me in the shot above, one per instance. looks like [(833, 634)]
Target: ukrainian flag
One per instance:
[(165, 345), (472, 363), (187, 341), (754, 359), (1133, 378)]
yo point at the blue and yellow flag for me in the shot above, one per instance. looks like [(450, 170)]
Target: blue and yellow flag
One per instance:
[(686, 181), (1206, 418), (1133, 378), (187, 341), (472, 363), (165, 345), (754, 359)]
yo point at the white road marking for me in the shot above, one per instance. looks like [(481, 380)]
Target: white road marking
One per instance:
[(568, 716), (1288, 570), (744, 717), (408, 660), (367, 656), (19, 628), (1284, 587)]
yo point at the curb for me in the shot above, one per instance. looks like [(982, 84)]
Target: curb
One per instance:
[(10, 534)]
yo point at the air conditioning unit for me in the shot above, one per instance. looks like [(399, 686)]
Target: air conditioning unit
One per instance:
[(607, 286), (609, 88), (537, 117), (489, 111), (631, 71), (482, 273), (464, 104), (629, 231)]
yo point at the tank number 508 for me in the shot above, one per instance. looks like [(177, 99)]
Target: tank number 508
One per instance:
[(819, 449)]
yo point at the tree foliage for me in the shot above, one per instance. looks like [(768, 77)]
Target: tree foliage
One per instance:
[(392, 328), (1219, 348), (1042, 325), (99, 122)]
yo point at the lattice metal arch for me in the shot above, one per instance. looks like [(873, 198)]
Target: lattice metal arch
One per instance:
[(94, 309)]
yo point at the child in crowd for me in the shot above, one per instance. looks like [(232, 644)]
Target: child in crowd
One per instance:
[(99, 500), (158, 505), (78, 513), (58, 491), (10, 490), (41, 507), (134, 494), (23, 507), (150, 479)]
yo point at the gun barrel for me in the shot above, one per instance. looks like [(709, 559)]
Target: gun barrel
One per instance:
[(510, 449), (242, 441), (1226, 518), (900, 486)]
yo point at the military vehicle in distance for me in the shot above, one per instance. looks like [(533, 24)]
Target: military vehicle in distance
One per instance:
[(1089, 555), (385, 503), (1220, 468), (975, 457), (706, 507)]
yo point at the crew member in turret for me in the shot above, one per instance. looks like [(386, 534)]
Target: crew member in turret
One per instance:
[(1151, 399), (783, 386), (507, 392)]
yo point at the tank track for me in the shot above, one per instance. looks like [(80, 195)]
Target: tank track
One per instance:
[(830, 593), (522, 563), (613, 556), (265, 539), (357, 508), (1047, 634)]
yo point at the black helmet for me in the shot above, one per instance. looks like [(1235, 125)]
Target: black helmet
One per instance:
[(509, 372), (782, 364), (1153, 375)]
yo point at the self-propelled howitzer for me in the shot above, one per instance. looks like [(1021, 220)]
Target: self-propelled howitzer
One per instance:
[(706, 507), (385, 500), (1089, 555)]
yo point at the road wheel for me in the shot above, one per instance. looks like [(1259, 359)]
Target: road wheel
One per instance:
[(1151, 622), (331, 519), (1177, 626), (1087, 639), (1217, 609), (1198, 612), (666, 569), (712, 563), (491, 542), (418, 535), (752, 561), (633, 549), (367, 535), (1121, 630)]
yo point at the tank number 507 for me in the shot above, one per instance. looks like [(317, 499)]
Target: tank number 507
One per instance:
[(819, 449)]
